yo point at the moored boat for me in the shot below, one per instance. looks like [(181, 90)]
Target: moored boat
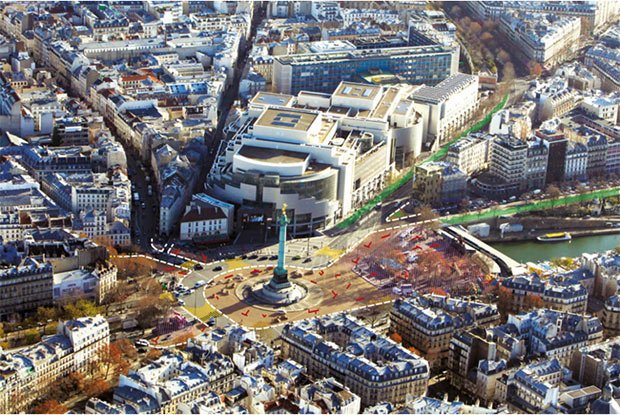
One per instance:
[(555, 237)]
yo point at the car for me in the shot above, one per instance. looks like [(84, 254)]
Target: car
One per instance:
[(218, 268), (142, 342), (199, 283), (143, 205), (198, 267), (211, 322), (264, 257), (181, 302), (273, 257), (253, 256), (296, 258), (243, 256), (307, 260)]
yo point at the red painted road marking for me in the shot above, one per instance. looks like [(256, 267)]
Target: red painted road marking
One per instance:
[(387, 235), (417, 247), (217, 297), (313, 281), (264, 315), (316, 310), (348, 286), (155, 340), (373, 274), (417, 237), (359, 299), (337, 275), (434, 245), (368, 244), (334, 294), (356, 260), (246, 312), (229, 276), (255, 271), (321, 272)]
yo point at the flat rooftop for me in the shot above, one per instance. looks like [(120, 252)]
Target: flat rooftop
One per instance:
[(289, 119), (271, 99), (360, 54), (361, 91), (271, 155), (446, 88)]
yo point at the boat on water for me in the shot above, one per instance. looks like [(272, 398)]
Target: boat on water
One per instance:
[(555, 237)]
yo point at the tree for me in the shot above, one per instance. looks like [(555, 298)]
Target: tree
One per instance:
[(486, 36), (50, 407), (475, 28), (96, 387), (414, 350), (106, 241), (118, 294), (32, 336), (396, 337), (508, 72), (504, 301), (127, 348), (109, 357), (503, 56), (152, 307), (535, 68), (427, 214), (47, 313), (455, 11), (153, 354), (554, 192), (617, 249), (432, 263), (532, 302), (81, 308)]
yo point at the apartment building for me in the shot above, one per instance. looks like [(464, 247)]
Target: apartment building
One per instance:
[(94, 284), (70, 131), (207, 217), (25, 287), (324, 344), (576, 164), (446, 107), (597, 364), (538, 37), (478, 357), (507, 174), (533, 388), (428, 323), (437, 183), (26, 374), (329, 394), (471, 153), (564, 295)]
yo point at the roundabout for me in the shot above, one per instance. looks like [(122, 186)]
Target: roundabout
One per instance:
[(305, 295)]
